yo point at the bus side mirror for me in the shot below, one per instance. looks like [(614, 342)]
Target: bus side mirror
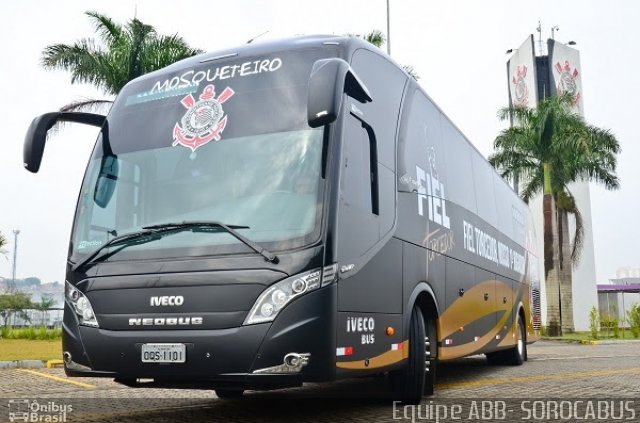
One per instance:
[(35, 139), (329, 79), (106, 182), (37, 134)]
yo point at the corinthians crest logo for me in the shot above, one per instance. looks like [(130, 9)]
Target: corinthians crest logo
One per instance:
[(204, 120), (567, 81), (520, 87)]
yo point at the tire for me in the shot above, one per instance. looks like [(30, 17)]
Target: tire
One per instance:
[(518, 354), (418, 377), (513, 356), (229, 393), (496, 358), (430, 355)]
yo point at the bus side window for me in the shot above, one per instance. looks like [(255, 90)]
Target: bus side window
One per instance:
[(358, 222), (360, 175)]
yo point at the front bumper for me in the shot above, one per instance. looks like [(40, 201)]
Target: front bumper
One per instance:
[(215, 358)]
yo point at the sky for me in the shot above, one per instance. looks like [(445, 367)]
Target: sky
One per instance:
[(456, 47)]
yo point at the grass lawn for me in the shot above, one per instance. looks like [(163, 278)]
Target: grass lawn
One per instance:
[(26, 349), (602, 336)]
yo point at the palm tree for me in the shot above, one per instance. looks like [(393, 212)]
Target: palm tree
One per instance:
[(3, 243), (121, 54), (377, 38), (43, 306), (549, 148)]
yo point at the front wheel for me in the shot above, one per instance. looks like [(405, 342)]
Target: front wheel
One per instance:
[(418, 377)]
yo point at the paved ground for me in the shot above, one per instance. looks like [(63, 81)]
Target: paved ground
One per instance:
[(555, 372)]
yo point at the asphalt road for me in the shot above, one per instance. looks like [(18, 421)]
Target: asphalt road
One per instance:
[(560, 382)]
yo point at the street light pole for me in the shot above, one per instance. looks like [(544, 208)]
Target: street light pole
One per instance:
[(16, 232), (388, 30)]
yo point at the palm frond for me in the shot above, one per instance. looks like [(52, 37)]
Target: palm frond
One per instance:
[(578, 239), (3, 243), (86, 62), (375, 37), (106, 28), (411, 71), (517, 113), (163, 51), (533, 186), (88, 105), (121, 54)]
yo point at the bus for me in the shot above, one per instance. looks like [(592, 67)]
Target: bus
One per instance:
[(288, 212)]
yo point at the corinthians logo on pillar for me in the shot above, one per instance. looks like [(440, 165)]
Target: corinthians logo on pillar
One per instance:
[(520, 87), (204, 120), (567, 81)]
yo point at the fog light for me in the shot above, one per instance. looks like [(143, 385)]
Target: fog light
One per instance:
[(292, 363)]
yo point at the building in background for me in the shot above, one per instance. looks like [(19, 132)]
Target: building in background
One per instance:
[(628, 272), (533, 76), (616, 298)]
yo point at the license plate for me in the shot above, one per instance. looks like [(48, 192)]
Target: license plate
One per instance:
[(163, 353)]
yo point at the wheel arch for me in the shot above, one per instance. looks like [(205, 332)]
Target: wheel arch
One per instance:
[(424, 297)]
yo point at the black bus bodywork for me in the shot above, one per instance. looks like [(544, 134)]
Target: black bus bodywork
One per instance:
[(288, 212)]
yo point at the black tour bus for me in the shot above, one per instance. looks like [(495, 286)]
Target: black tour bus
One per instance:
[(288, 212)]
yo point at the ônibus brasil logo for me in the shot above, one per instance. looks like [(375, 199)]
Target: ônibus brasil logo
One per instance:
[(521, 90), (204, 120), (567, 81)]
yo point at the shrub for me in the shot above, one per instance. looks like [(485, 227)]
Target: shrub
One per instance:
[(634, 320), (594, 322), (608, 324), (32, 333), (616, 328)]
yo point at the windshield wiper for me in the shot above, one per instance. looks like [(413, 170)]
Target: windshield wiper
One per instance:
[(155, 232), (133, 238), (231, 229)]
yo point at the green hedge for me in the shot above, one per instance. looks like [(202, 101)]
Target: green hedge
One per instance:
[(41, 333)]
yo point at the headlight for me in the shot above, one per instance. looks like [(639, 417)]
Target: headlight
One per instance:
[(278, 295), (81, 305)]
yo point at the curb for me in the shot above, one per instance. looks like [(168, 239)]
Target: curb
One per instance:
[(589, 342), (52, 364), (22, 364)]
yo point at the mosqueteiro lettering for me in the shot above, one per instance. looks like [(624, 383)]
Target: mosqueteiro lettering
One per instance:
[(193, 78)]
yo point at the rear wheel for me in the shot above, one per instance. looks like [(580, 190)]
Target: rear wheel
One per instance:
[(229, 393), (516, 355), (418, 377)]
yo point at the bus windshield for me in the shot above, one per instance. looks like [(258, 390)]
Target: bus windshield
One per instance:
[(193, 146)]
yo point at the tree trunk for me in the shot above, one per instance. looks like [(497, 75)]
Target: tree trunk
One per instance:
[(565, 272), (551, 268)]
